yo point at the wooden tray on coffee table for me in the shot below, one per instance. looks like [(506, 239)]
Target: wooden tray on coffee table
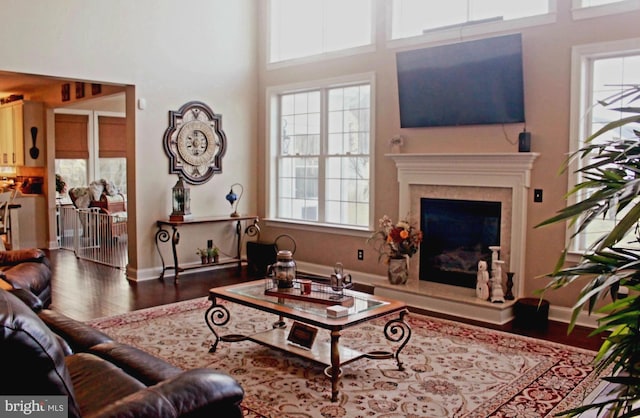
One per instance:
[(320, 293)]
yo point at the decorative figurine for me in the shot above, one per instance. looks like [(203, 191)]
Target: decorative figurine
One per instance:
[(497, 296), (482, 285)]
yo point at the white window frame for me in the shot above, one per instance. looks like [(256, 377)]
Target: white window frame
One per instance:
[(271, 65), (581, 58), (93, 136), (271, 146), (462, 31), (579, 11)]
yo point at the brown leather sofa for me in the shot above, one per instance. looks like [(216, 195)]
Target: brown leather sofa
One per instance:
[(27, 269), (56, 355)]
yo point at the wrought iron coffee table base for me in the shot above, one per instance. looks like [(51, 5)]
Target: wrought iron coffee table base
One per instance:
[(330, 354)]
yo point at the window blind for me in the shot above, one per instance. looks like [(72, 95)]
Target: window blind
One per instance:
[(71, 133), (112, 138)]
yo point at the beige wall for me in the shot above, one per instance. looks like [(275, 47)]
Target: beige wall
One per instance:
[(547, 62), (169, 53)]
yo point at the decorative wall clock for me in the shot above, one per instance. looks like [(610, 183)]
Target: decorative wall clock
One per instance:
[(195, 142)]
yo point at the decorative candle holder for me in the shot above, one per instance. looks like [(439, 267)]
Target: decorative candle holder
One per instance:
[(509, 294)]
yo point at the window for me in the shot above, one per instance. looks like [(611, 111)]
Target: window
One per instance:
[(603, 71), (72, 148), (302, 28), (320, 162), (82, 156), (591, 3), (585, 9), (112, 150), (416, 17)]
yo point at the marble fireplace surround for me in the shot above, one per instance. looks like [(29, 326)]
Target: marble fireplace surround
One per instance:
[(502, 177)]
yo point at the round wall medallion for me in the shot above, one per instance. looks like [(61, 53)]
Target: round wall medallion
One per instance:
[(195, 142)]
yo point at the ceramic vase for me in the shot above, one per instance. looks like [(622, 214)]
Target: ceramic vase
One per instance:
[(398, 272)]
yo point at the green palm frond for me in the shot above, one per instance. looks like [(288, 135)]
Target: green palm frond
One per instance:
[(609, 189)]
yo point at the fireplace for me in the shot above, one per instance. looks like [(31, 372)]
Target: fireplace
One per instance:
[(458, 235), (490, 177)]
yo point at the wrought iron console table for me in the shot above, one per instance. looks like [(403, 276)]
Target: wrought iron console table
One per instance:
[(163, 235)]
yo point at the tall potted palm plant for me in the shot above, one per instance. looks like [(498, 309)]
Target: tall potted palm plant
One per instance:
[(610, 188)]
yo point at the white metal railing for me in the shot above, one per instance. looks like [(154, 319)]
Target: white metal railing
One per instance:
[(93, 235)]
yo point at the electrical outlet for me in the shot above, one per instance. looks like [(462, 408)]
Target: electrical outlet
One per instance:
[(537, 195), (360, 255)]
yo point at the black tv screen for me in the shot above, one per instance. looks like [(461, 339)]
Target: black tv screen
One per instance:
[(468, 83)]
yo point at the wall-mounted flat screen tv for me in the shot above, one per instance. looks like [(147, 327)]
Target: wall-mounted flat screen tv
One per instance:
[(468, 83)]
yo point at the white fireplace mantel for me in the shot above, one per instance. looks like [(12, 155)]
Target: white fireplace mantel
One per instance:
[(510, 170), (503, 170)]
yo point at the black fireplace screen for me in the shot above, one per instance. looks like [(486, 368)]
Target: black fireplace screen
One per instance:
[(457, 234)]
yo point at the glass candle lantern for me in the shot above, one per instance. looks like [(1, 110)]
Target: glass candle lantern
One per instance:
[(181, 201)]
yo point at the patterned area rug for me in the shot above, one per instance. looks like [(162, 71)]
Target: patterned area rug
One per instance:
[(452, 369)]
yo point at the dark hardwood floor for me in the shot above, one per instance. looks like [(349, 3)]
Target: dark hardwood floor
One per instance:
[(85, 290)]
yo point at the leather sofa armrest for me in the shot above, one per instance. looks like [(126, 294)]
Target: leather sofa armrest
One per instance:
[(13, 257), (194, 393)]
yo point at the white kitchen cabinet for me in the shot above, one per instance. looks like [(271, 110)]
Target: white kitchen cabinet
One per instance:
[(17, 123), (12, 139)]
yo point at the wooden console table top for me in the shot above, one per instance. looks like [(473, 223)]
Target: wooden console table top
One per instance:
[(204, 219)]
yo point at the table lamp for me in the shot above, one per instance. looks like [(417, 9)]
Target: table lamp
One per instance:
[(234, 199)]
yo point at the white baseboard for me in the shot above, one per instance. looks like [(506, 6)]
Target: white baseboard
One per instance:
[(563, 314)]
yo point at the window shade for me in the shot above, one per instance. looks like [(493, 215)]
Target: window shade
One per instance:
[(72, 136), (112, 137)]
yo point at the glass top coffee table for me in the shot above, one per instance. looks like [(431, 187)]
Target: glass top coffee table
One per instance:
[(362, 307)]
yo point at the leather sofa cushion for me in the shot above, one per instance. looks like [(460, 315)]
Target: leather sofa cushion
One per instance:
[(28, 269), (143, 366), (194, 393), (26, 341), (98, 382), (35, 277), (29, 299), (10, 258), (78, 335)]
